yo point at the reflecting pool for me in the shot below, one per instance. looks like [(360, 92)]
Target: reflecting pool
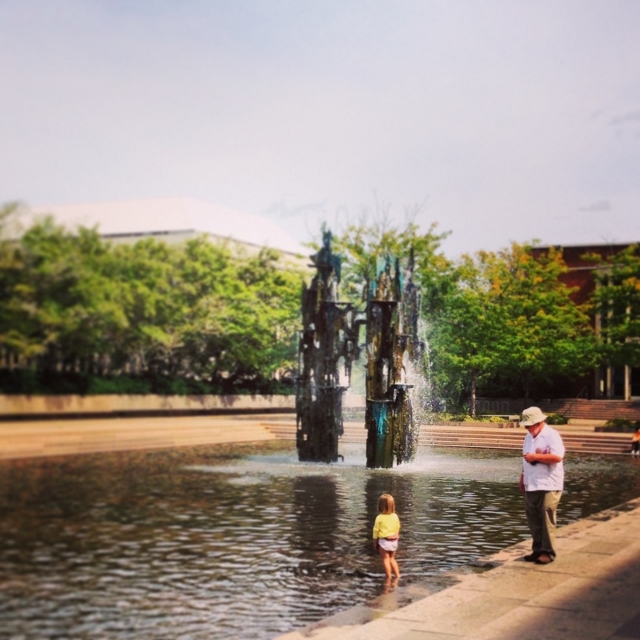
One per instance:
[(247, 542)]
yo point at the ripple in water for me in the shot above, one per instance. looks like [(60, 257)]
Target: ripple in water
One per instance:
[(248, 543)]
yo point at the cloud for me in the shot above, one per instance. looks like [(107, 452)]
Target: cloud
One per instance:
[(632, 116), (509, 115), (283, 209), (600, 205), (627, 125)]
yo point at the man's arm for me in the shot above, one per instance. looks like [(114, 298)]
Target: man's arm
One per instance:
[(545, 458)]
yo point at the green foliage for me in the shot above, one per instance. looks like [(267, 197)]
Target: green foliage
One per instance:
[(617, 300), (621, 425), (33, 382), (439, 417), (463, 333), (362, 244), (74, 304), (510, 318), (30, 382), (118, 385), (19, 381), (465, 417), (79, 313), (557, 418)]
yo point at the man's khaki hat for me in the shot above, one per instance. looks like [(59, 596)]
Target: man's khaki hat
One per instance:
[(532, 416)]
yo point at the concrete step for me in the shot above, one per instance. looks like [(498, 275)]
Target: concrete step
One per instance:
[(35, 439), (579, 408), (576, 440), (574, 447)]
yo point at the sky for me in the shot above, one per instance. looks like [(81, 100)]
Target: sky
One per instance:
[(497, 120)]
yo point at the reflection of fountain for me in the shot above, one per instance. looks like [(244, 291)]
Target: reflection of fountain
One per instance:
[(329, 339), (392, 346)]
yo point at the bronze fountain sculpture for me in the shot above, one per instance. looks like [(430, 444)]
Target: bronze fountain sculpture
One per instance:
[(329, 346)]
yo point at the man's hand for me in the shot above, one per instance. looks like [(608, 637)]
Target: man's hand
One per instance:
[(545, 458)]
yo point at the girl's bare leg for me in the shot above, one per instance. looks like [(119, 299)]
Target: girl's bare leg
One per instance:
[(394, 565), (386, 562)]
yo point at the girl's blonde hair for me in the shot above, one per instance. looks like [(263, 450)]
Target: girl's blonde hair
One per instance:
[(386, 503)]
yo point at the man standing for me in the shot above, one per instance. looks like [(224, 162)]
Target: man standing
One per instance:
[(541, 481)]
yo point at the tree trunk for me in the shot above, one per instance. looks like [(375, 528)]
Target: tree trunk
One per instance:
[(474, 384), (526, 383)]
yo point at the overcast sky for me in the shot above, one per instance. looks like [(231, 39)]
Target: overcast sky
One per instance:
[(499, 120)]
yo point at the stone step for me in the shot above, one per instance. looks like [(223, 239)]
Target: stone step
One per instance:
[(35, 439), (481, 437), (579, 408), (572, 447)]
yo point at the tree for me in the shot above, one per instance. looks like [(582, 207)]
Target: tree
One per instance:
[(243, 312), (617, 300), (510, 318), (151, 292), (545, 333), (465, 333), (362, 245), (365, 248), (72, 302), (12, 338), (58, 303)]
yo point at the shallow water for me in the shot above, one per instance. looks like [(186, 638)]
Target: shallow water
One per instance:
[(246, 542)]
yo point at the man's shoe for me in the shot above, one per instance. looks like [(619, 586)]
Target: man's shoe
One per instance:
[(543, 559), (532, 557)]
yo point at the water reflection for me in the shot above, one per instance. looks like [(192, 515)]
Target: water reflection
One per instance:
[(230, 542)]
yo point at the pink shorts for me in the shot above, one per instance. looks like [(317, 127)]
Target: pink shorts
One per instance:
[(388, 545)]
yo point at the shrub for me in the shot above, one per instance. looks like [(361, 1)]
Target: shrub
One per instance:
[(118, 385), (19, 381), (30, 382), (620, 425), (557, 418), (496, 419), (47, 382)]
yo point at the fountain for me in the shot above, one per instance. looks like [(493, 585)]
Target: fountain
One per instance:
[(329, 342), (392, 349)]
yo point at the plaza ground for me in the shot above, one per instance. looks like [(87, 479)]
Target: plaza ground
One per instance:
[(26, 438)]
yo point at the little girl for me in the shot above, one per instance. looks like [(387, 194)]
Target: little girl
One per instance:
[(386, 532)]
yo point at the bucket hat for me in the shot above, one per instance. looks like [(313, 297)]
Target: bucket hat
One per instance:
[(532, 416)]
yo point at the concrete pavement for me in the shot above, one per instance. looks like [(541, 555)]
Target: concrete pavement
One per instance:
[(34, 438), (29, 439)]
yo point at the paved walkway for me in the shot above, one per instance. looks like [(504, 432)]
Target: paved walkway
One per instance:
[(34, 438), (591, 592), (29, 439)]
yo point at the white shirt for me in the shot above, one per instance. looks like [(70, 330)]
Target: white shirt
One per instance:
[(544, 477)]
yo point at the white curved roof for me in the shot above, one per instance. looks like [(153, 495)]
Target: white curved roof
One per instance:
[(172, 215)]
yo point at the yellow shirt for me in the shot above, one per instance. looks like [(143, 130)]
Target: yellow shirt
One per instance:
[(386, 525)]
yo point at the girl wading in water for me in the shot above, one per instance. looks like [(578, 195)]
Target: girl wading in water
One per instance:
[(386, 532)]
